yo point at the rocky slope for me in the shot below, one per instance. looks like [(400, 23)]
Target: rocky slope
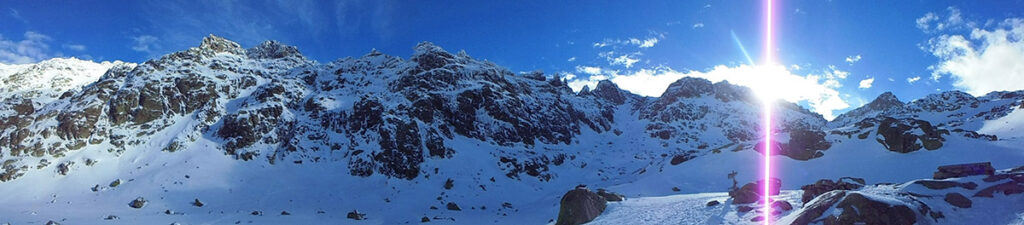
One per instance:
[(380, 133)]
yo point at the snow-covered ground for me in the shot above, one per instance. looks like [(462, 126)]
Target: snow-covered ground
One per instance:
[(315, 182)]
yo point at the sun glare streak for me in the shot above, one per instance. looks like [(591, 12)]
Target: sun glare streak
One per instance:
[(742, 49), (768, 61)]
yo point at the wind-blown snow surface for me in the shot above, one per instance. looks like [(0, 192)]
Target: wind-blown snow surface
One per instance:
[(264, 129)]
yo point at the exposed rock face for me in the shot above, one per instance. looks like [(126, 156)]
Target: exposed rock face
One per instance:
[(822, 186), (580, 206), (882, 105), (693, 110), (1008, 188), (818, 206), (802, 145), (610, 196), (609, 91), (962, 170), (908, 135), (858, 209), (941, 184)]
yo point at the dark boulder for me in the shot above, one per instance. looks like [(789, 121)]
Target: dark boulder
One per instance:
[(449, 184), (138, 203), (712, 203), (783, 205), (744, 209), (580, 206), (686, 156), (958, 200), (355, 215), (751, 192), (822, 186), (452, 206), (64, 168), (775, 185)]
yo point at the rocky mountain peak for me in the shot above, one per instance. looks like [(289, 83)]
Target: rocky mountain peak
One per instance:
[(884, 104), (272, 50), (430, 56), (609, 91), (219, 44), (687, 87), (945, 101), (884, 101)]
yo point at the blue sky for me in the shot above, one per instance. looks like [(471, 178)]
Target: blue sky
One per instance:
[(830, 47)]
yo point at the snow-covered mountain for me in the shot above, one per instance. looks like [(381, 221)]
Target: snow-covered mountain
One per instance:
[(259, 133), (48, 80)]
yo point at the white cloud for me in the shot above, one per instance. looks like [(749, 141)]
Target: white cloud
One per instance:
[(641, 43), (924, 23), (831, 76), (852, 59), (698, 25), (763, 80), (144, 43), (646, 43), (592, 70), (866, 83), (987, 60), (913, 79), (891, 79), (931, 22), (31, 49), (572, 59), (625, 60), (74, 47)]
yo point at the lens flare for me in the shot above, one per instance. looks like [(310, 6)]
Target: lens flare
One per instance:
[(767, 210), (740, 45)]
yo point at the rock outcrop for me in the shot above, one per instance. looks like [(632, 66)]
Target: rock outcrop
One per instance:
[(580, 206)]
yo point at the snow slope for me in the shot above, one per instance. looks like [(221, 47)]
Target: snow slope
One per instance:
[(264, 129)]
